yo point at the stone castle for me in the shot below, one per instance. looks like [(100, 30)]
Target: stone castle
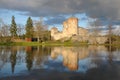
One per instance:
[(72, 31)]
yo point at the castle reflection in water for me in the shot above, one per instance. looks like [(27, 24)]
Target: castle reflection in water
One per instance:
[(83, 57), (14, 59)]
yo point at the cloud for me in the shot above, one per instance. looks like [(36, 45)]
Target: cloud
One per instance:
[(101, 9), (55, 20)]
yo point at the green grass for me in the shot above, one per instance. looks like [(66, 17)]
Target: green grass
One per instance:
[(19, 44), (50, 43)]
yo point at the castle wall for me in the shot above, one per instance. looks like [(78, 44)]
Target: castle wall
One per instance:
[(58, 36), (70, 27), (82, 32), (75, 33)]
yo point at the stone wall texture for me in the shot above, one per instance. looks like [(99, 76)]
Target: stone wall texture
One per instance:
[(71, 30)]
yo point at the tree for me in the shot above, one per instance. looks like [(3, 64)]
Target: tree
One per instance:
[(29, 28), (4, 32), (40, 29), (20, 30), (13, 28), (110, 34), (1, 25), (95, 30)]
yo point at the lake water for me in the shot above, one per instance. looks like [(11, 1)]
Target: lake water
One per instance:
[(82, 63)]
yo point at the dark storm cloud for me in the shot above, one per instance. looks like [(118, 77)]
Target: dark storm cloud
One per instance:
[(107, 9)]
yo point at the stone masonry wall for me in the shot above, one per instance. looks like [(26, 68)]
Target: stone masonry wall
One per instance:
[(75, 33)]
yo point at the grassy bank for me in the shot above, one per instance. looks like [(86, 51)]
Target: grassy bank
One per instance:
[(50, 43)]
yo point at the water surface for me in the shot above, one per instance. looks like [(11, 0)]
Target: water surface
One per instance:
[(82, 63)]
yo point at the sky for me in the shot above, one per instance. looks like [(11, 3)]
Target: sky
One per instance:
[(54, 12)]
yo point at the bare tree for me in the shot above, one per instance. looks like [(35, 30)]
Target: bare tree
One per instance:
[(4, 31), (20, 30), (94, 30), (95, 27), (39, 29), (1, 24), (110, 34), (110, 31)]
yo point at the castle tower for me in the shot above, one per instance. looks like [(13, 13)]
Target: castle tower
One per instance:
[(54, 30), (70, 27)]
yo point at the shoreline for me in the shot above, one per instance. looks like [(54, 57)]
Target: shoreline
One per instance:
[(53, 44)]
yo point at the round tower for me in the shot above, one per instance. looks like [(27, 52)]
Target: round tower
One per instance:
[(71, 26), (54, 30)]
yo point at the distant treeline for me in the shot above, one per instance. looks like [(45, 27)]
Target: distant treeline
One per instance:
[(33, 30)]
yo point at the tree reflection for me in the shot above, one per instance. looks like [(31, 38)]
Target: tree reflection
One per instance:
[(40, 55), (110, 56), (73, 58), (29, 57), (36, 54), (4, 56), (13, 58)]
